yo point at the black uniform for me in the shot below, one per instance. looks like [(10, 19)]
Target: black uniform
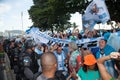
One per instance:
[(28, 59)]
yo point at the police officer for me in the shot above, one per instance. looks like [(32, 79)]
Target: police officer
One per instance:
[(17, 51), (29, 60), (10, 53)]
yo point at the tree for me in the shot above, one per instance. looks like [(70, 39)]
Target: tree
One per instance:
[(47, 14), (114, 9), (55, 14), (74, 25)]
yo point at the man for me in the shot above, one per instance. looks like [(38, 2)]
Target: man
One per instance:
[(73, 37), (60, 55), (39, 53), (75, 57), (11, 52), (103, 71), (29, 61), (62, 61), (49, 66), (17, 51), (105, 50)]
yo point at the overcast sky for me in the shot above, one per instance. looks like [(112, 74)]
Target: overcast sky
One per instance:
[(10, 15)]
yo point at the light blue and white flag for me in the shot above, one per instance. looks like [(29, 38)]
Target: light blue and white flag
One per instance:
[(95, 12), (41, 37)]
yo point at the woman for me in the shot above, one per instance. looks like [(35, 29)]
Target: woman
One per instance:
[(89, 71), (75, 57)]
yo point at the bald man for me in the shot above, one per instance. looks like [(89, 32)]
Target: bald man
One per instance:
[(49, 66)]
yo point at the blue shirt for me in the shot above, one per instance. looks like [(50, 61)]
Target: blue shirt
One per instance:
[(108, 64), (60, 60), (38, 51), (107, 50)]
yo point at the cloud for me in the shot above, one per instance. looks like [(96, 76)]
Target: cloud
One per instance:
[(19, 5), (4, 8), (1, 23), (13, 16), (16, 21)]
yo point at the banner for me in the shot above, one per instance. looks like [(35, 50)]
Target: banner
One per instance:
[(95, 12), (41, 37)]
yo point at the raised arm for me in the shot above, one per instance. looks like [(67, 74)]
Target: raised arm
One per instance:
[(100, 62)]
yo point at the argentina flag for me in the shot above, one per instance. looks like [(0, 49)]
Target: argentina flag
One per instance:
[(95, 12)]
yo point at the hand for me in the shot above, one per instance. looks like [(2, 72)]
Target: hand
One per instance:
[(114, 55), (42, 48), (73, 74), (55, 47), (68, 56)]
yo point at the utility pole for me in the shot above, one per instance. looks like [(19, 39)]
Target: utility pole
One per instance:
[(22, 20)]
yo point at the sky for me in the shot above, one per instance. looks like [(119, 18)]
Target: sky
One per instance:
[(10, 15)]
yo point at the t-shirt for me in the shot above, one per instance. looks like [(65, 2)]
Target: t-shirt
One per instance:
[(42, 77), (60, 60), (75, 61), (89, 75), (73, 58), (73, 38)]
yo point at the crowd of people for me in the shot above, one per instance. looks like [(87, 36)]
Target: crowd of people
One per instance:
[(39, 61), (77, 35)]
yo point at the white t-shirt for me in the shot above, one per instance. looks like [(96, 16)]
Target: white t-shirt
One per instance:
[(60, 62)]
